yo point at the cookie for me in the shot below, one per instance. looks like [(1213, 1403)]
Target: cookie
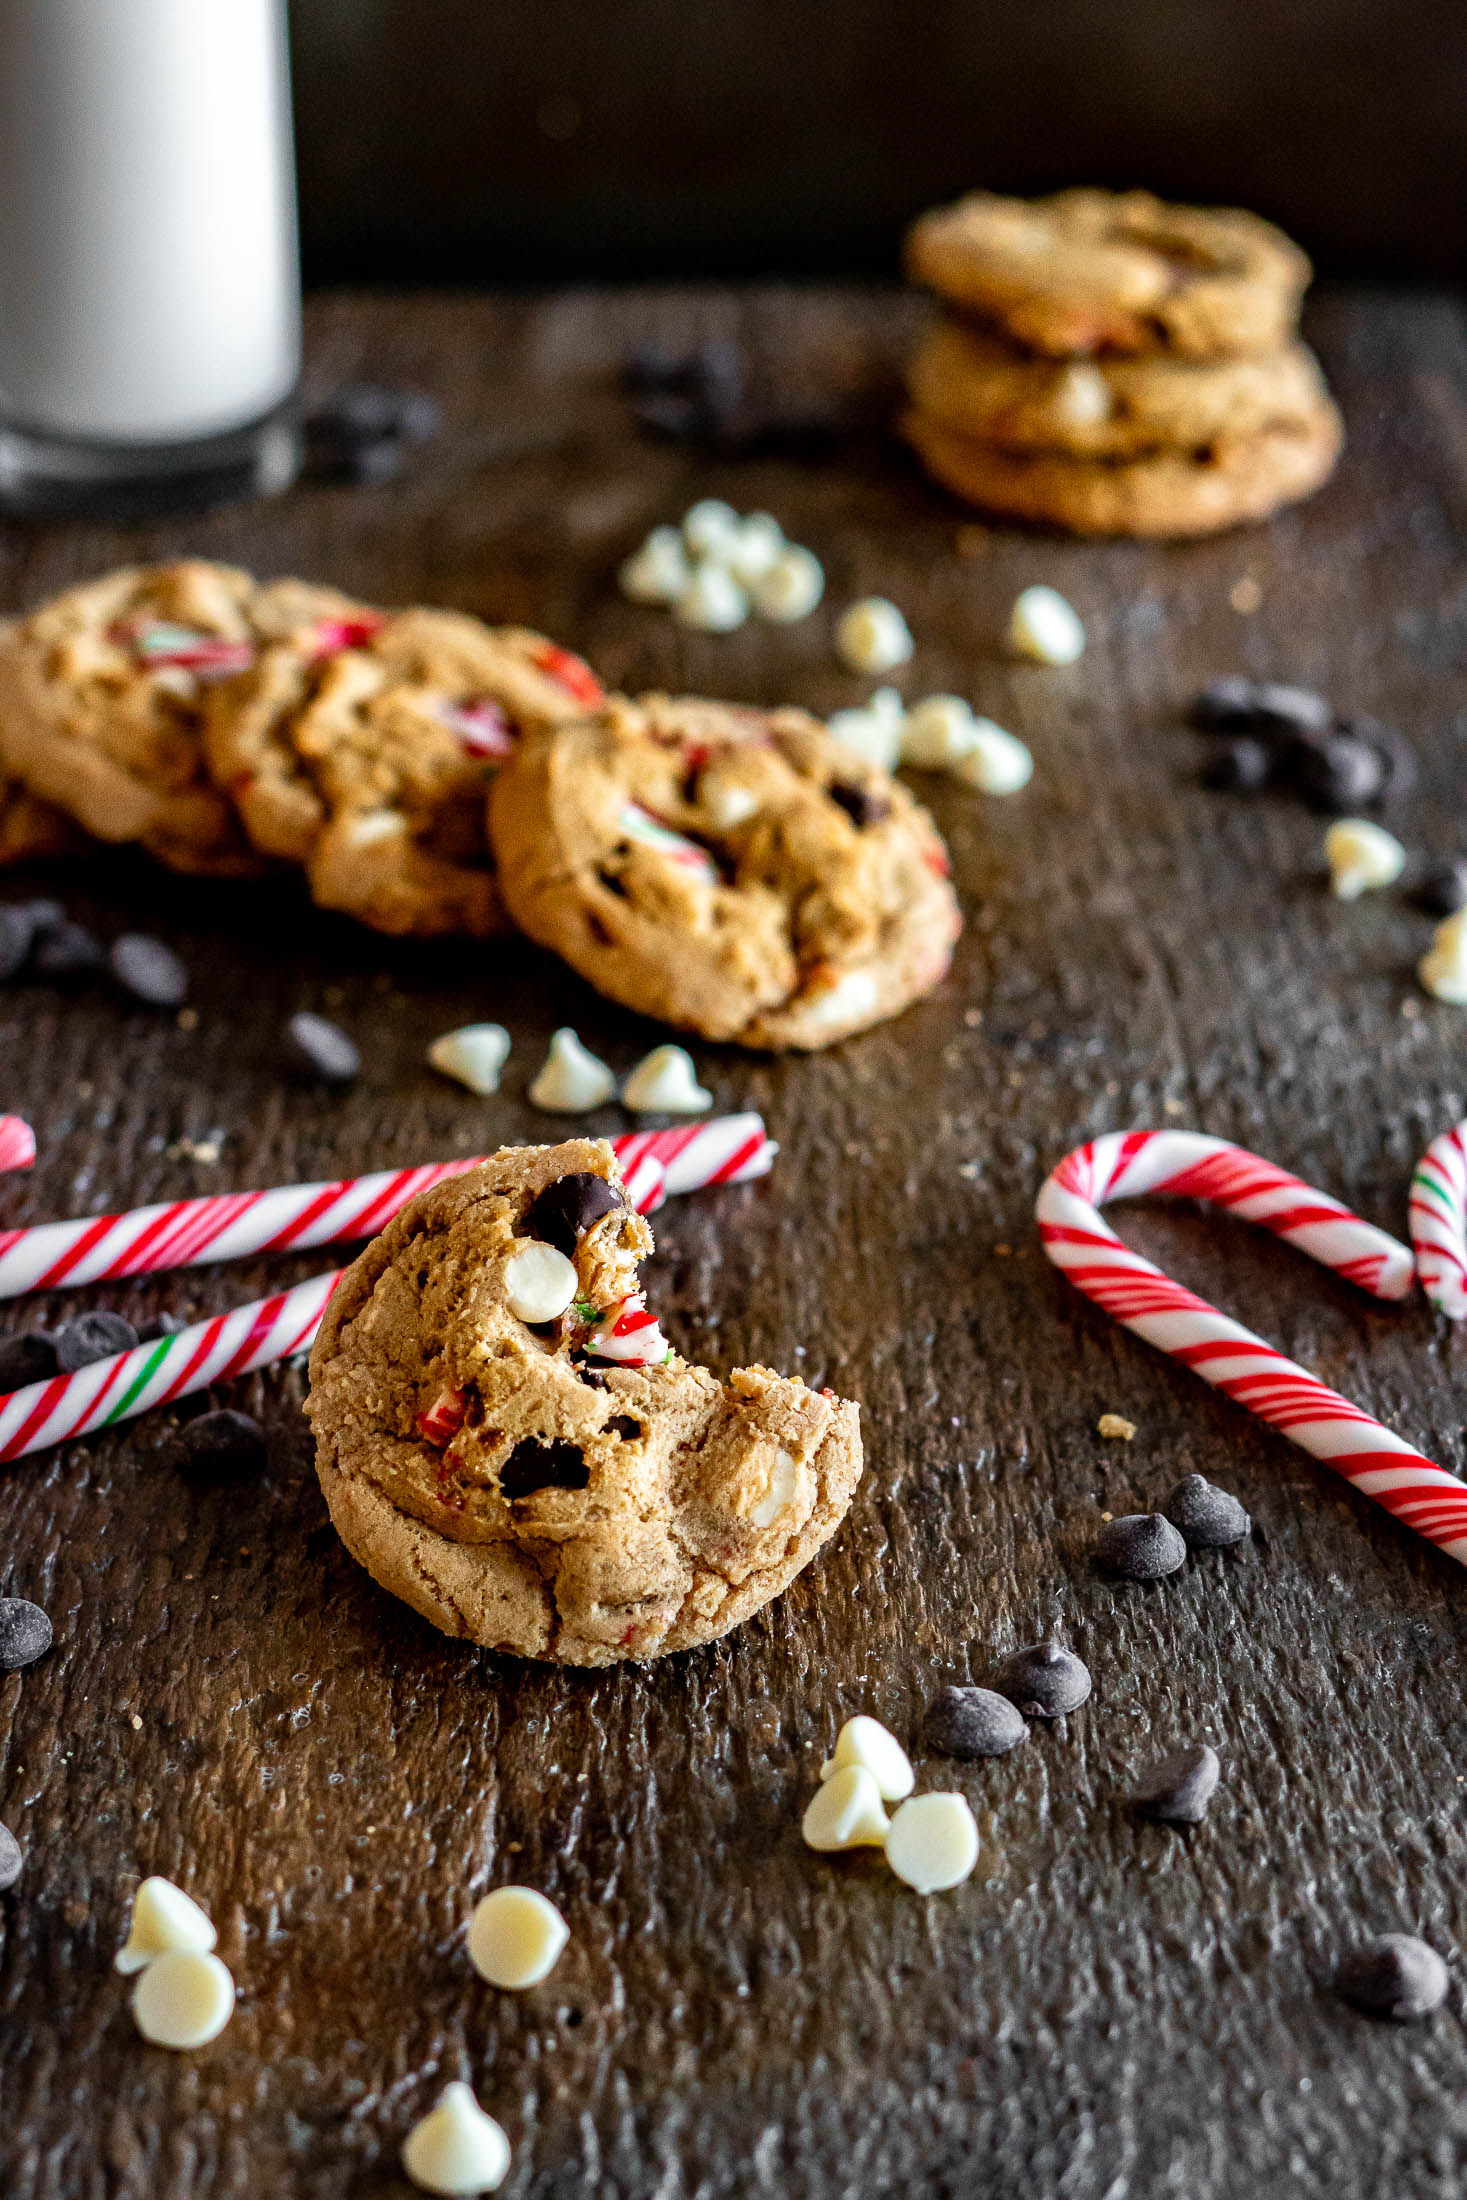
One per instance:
[(735, 872), (369, 766), (1093, 271), (102, 693), (570, 1489), (971, 381), (30, 827), (1164, 493)]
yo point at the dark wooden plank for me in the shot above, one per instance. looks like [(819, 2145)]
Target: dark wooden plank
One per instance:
[(1107, 2008)]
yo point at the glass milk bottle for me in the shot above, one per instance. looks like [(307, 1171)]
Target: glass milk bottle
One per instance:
[(149, 287)]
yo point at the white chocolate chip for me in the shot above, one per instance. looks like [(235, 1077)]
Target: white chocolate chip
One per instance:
[(852, 997), (845, 1813), (872, 735), (369, 827), (474, 1054), (886, 705), (183, 1999), (456, 2150), (665, 1082), (933, 1842), (1042, 625), (1361, 856), (937, 733), (1443, 968), (1083, 395), (756, 548), (726, 807), (164, 1919), (571, 1078), (539, 1283), (997, 762), (657, 572), (872, 636), (711, 528), (713, 602), (516, 1937), (780, 1493), (791, 588), (865, 1741)]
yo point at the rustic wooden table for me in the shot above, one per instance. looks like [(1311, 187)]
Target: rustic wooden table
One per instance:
[(1107, 2008)]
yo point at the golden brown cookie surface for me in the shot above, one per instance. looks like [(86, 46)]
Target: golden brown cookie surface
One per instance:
[(972, 382), (538, 1489), (102, 694), (1091, 271), (1162, 494), (368, 765), (732, 871)]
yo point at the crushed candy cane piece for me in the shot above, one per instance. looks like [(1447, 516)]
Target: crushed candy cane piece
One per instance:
[(443, 1419), (483, 726), (865, 1741), (1045, 627), (629, 1335), (164, 1919), (650, 832), (456, 2150), (665, 1082), (332, 636), (845, 1813), (1361, 857), (571, 1077), (570, 672)]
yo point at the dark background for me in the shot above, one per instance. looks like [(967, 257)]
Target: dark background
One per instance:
[(487, 141)]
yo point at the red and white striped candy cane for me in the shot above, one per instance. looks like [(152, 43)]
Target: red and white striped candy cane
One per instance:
[(726, 1149), (1124, 1165), (1439, 1222), (151, 1374), (17, 1142)]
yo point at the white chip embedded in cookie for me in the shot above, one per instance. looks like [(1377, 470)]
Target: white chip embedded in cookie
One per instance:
[(560, 1485), (736, 872)]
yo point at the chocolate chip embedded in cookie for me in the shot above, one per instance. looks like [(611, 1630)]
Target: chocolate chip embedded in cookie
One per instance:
[(972, 382), (735, 872), (367, 764), (506, 1442), (102, 692), (1094, 271), (1196, 492)]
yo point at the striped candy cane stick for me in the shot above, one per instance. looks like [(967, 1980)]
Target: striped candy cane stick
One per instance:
[(1439, 1222), (727, 1149), (1124, 1165), (151, 1374), (17, 1142)]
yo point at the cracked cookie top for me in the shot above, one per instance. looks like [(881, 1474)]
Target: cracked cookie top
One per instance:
[(734, 871), (506, 1441)]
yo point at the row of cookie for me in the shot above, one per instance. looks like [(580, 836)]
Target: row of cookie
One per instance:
[(1115, 365), (736, 872)]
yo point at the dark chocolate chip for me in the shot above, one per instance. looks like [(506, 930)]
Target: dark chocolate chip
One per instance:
[(1179, 1788), (27, 1357), (16, 934), (1394, 1976), (1290, 709), (566, 1209), (10, 1859), (1267, 708), (1224, 706), (1239, 766), (150, 970), (1339, 773), (25, 1633), (92, 1337), (1443, 891), (318, 1045), (1044, 1680), (592, 1377), (1398, 758), (1209, 1518), (861, 806), (161, 1325), (972, 1722), (222, 1444), (1140, 1546), (540, 1464), (626, 1427), (67, 951)]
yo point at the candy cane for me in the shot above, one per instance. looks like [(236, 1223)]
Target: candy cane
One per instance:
[(1438, 1211), (640, 825), (17, 1142), (1123, 1165), (129, 1383), (726, 1149)]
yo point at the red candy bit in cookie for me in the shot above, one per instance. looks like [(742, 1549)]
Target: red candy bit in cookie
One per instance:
[(936, 859), (629, 1335), (483, 726), (160, 644), (444, 1418), (332, 636), (572, 673)]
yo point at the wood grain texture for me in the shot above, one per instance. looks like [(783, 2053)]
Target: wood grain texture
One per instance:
[(1108, 2008)]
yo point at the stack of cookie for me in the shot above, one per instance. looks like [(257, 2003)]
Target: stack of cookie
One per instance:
[(738, 872), (1116, 366)]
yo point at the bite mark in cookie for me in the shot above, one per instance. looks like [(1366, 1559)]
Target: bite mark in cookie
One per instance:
[(736, 872), (367, 764), (568, 1489)]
